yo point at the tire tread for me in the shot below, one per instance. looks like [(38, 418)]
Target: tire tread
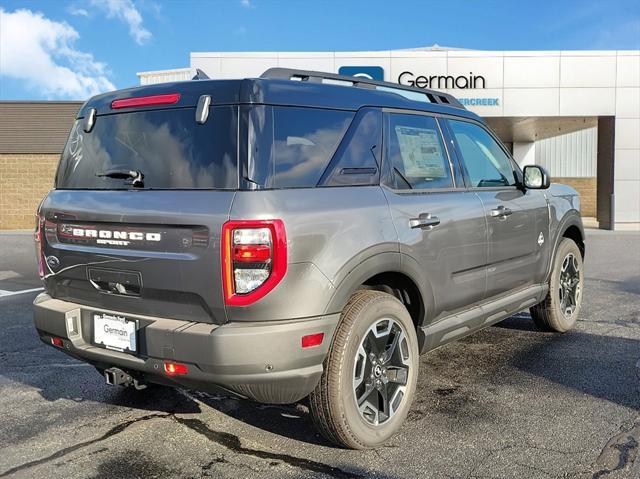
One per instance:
[(546, 315), (329, 420)]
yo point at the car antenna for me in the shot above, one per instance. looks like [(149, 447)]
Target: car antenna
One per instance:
[(200, 75)]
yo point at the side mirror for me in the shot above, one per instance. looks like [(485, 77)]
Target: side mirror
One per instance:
[(536, 177)]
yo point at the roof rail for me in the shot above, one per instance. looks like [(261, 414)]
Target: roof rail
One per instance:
[(360, 82)]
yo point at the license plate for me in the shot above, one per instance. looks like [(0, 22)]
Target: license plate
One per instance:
[(115, 332)]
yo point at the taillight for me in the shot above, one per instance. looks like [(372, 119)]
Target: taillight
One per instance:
[(254, 259), (166, 99), (40, 244)]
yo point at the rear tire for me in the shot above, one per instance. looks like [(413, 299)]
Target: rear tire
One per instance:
[(370, 373), (560, 309)]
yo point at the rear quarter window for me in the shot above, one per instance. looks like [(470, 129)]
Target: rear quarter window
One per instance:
[(357, 160), (170, 149), (290, 147)]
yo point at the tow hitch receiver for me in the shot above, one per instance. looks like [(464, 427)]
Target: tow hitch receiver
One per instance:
[(117, 377)]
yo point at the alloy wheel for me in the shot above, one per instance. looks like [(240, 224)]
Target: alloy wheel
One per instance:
[(381, 371), (569, 288)]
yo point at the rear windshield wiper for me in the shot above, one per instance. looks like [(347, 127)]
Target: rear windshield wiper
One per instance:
[(137, 178)]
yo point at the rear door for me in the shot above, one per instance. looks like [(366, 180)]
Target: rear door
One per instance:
[(441, 227), (153, 248), (517, 219)]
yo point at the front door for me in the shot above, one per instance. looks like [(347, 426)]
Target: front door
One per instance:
[(517, 219)]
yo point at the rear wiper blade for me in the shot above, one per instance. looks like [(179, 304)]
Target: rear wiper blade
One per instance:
[(137, 178)]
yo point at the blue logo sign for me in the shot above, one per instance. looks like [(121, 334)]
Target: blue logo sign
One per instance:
[(370, 73)]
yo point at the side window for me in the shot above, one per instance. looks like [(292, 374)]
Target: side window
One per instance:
[(486, 163), (416, 153), (290, 147), (357, 160)]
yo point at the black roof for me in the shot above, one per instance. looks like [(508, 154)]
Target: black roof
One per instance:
[(277, 88)]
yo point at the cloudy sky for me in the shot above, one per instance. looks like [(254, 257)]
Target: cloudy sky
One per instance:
[(72, 49)]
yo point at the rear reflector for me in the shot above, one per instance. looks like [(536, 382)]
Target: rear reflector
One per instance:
[(175, 368), (168, 99), (57, 342), (312, 340)]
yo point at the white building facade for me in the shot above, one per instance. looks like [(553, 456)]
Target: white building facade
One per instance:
[(575, 112)]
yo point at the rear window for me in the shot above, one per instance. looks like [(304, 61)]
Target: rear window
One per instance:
[(168, 147), (290, 147)]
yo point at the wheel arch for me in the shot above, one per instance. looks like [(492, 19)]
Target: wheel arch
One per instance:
[(575, 233), (569, 227), (393, 274)]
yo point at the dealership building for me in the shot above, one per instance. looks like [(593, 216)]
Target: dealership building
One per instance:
[(575, 112)]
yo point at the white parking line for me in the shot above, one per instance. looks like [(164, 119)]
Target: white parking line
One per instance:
[(4, 293)]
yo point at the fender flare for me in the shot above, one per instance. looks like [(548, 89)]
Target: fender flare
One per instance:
[(358, 274), (571, 218), (388, 262)]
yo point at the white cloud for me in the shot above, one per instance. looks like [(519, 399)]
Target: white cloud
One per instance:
[(125, 11), (246, 3), (77, 11), (41, 52)]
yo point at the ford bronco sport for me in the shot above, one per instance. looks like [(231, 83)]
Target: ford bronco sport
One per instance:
[(298, 234)]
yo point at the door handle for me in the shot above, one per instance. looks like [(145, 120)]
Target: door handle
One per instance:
[(501, 212), (424, 221)]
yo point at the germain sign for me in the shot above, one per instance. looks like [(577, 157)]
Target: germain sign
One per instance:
[(440, 82), (450, 82), (436, 82)]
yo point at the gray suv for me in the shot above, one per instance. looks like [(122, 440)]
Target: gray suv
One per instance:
[(298, 234)]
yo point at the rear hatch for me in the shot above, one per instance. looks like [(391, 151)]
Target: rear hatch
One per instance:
[(141, 194)]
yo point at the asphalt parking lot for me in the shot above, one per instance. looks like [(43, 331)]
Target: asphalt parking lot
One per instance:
[(509, 401)]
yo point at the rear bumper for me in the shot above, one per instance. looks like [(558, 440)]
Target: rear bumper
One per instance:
[(263, 361)]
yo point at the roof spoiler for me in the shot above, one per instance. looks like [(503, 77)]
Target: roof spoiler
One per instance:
[(359, 82)]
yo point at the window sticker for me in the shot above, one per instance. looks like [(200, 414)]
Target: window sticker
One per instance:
[(421, 152)]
